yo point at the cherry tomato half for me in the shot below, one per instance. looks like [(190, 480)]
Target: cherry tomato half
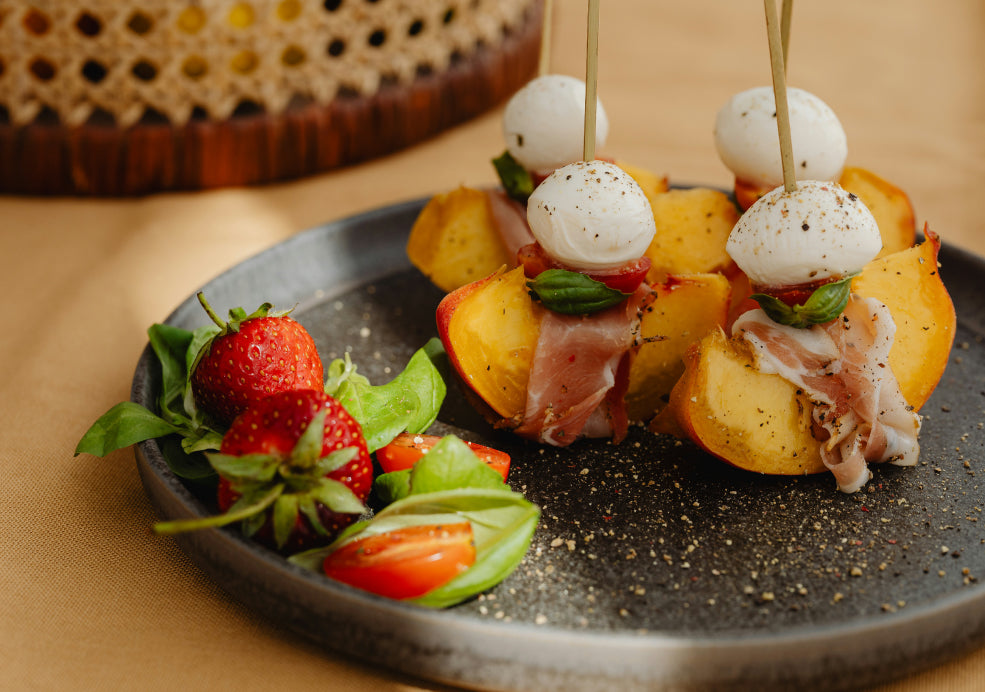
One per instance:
[(625, 278), (406, 449), (404, 563)]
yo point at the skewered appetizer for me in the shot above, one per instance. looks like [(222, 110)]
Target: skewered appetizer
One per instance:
[(746, 140), (468, 233), (548, 347), (829, 371)]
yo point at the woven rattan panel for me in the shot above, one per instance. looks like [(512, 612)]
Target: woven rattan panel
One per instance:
[(123, 97), (124, 57)]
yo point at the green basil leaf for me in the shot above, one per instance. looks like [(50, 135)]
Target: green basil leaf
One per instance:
[(516, 179), (187, 464), (451, 464), (573, 293), (201, 440), (393, 486), (410, 402), (448, 465), (825, 304), (171, 345), (340, 371), (123, 425), (503, 523)]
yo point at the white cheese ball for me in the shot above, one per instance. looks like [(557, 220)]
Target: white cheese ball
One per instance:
[(817, 232), (544, 123), (591, 215), (748, 142)]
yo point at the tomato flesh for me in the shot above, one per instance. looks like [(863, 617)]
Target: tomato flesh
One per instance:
[(406, 449), (625, 278), (404, 563)]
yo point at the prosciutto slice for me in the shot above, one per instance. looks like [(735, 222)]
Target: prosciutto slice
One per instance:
[(510, 219), (859, 412), (580, 373)]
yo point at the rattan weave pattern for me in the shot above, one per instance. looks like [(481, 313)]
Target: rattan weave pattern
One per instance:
[(126, 59)]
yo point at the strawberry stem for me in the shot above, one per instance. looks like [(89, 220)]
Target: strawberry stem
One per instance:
[(169, 528), (211, 313)]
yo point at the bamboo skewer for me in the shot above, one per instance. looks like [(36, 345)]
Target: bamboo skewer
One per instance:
[(785, 17), (591, 78), (544, 64), (780, 96)]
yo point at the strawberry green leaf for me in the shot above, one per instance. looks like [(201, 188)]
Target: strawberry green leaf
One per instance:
[(410, 402), (337, 497), (307, 505), (285, 516), (252, 468), (516, 179), (335, 460), (825, 304), (123, 425), (307, 450), (251, 504), (572, 293)]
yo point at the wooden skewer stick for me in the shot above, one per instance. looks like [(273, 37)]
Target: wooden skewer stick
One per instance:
[(544, 64), (591, 78), (780, 97), (786, 14)]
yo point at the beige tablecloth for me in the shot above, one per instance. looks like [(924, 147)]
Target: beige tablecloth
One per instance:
[(89, 599)]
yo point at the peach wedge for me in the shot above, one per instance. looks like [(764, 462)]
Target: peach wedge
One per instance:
[(761, 422)]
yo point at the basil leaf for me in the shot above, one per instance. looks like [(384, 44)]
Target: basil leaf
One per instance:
[(503, 523), (451, 464), (393, 486), (825, 304), (186, 464), (516, 179), (573, 293), (410, 402), (448, 465), (123, 425), (171, 345)]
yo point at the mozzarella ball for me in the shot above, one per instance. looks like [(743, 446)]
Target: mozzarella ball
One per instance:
[(817, 232), (748, 142), (591, 215), (544, 123)]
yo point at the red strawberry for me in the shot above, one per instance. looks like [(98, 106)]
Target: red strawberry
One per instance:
[(253, 356), (294, 468)]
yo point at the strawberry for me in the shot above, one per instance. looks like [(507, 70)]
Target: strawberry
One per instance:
[(294, 468), (251, 357)]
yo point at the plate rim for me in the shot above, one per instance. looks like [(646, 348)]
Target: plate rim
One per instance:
[(928, 617)]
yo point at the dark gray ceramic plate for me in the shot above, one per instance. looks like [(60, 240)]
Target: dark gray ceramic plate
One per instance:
[(653, 566)]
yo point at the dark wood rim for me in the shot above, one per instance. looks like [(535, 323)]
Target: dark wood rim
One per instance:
[(98, 160)]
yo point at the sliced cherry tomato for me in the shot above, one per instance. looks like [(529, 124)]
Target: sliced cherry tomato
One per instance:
[(746, 194), (625, 278), (406, 449), (404, 563)]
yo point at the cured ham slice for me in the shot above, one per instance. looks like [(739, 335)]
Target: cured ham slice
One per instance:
[(580, 373), (859, 412), (510, 219)]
